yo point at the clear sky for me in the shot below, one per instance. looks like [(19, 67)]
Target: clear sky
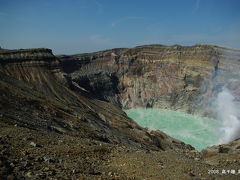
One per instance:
[(77, 26)]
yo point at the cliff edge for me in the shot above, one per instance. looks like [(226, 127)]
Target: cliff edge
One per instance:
[(170, 77), (54, 126)]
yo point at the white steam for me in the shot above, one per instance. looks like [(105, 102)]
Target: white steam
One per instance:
[(227, 112)]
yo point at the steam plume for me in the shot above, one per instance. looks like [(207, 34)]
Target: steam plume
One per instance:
[(228, 115)]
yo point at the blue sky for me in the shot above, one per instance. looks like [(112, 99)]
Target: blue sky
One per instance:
[(77, 26)]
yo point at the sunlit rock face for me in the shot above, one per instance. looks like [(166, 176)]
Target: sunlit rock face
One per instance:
[(169, 77), (46, 113), (187, 79), (36, 94)]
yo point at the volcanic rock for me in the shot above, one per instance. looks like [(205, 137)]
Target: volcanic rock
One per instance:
[(232, 147), (171, 77), (67, 107)]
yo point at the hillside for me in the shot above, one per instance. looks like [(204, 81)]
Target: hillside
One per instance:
[(59, 118), (171, 77)]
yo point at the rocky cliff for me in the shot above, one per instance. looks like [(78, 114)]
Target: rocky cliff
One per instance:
[(35, 94), (55, 122), (172, 77)]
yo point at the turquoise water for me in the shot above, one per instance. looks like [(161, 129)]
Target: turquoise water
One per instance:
[(198, 131)]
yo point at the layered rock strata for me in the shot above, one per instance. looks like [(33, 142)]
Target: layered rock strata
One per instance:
[(35, 94), (171, 77), (56, 125)]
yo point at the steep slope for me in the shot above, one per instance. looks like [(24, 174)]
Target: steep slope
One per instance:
[(53, 128), (35, 94), (172, 77)]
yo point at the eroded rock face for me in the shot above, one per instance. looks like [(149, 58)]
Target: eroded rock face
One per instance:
[(35, 94), (172, 77), (22, 55), (52, 127)]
